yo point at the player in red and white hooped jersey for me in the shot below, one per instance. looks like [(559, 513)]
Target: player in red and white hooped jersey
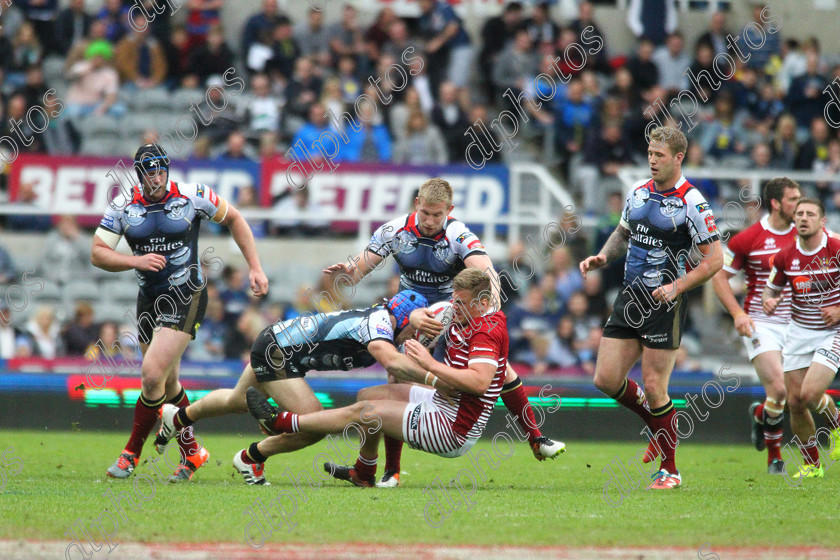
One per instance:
[(448, 424), (811, 354), (753, 251)]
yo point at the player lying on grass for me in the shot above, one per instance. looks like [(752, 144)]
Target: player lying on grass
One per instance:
[(285, 351), (448, 426), (431, 247), (811, 354)]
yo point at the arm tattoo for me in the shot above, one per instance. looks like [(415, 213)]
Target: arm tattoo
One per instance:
[(616, 245)]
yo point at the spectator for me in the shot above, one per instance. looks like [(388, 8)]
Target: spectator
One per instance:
[(567, 276), (422, 144), (14, 342), (26, 50), (16, 112), (516, 65), (289, 209), (178, 61), (794, 64), (115, 16), (703, 65), (346, 38), (586, 18), (715, 36), (95, 83), (33, 88), (239, 340), (313, 38), (624, 89), (578, 310), (451, 119), (644, 70), (399, 114), (593, 289), (612, 273), (225, 121), (671, 61), (608, 151), (723, 136), (72, 25), (805, 97), (6, 50), (815, 149), (561, 345), (201, 16), (7, 268), (826, 191), (447, 45), (371, 143), (233, 293), (260, 23), (495, 34), (66, 252), (542, 31), (97, 32), (41, 15), (399, 42), (284, 50), (312, 130), (378, 32), (26, 195), (767, 38), (45, 332), (304, 89), (261, 51), (761, 157), (78, 334), (237, 148), (247, 197), (209, 342), (512, 278), (654, 19), (529, 324), (695, 158), (785, 146), (139, 58), (573, 117), (262, 109), (348, 80), (213, 58)]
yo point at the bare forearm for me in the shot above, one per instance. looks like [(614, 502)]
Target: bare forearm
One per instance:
[(406, 369), (244, 238), (769, 293), (466, 380), (110, 260), (616, 245), (720, 283)]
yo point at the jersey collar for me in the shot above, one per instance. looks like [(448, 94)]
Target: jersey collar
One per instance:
[(679, 186), (765, 223), (815, 251), (413, 226), (138, 196)]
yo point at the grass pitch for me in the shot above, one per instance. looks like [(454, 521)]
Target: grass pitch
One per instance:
[(726, 500)]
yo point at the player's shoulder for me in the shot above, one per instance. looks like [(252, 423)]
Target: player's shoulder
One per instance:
[(748, 235), (692, 196), (832, 244), (492, 322), (391, 227), (643, 184)]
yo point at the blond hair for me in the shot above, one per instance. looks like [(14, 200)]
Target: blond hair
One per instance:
[(671, 137), (474, 281), (435, 191)]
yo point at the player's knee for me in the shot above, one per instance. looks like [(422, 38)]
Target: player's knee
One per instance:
[(236, 403), (606, 385), (777, 392), (811, 397)]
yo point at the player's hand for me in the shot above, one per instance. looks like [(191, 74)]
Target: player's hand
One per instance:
[(259, 282), (769, 305), (418, 353), (666, 293), (424, 322), (592, 263), (831, 315), (340, 268), (150, 262), (744, 325)]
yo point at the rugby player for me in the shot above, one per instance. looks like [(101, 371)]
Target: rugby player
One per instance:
[(753, 251), (420, 416), (811, 354), (160, 220), (280, 358), (430, 248), (665, 222)]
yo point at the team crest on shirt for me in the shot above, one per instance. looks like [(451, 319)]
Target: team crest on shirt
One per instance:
[(442, 251), (176, 208), (640, 197), (671, 206), (405, 242), (135, 214)]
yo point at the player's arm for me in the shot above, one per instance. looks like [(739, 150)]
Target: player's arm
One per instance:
[(483, 263), (475, 379), (104, 255), (228, 216), (614, 248), (720, 282), (361, 267), (711, 261), (403, 368)]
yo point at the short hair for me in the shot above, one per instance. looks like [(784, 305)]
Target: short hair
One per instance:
[(436, 190), (815, 201), (670, 136), (474, 280), (775, 189)]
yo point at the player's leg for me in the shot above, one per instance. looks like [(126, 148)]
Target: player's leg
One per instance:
[(657, 365), (769, 415), (516, 401), (166, 346), (817, 380), (802, 424), (615, 358)]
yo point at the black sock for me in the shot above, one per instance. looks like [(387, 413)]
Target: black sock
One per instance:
[(183, 419), (255, 454)]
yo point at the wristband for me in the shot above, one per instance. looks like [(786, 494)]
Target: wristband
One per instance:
[(426, 379), (434, 380)]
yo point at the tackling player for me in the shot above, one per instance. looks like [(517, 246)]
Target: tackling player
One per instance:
[(280, 358), (811, 354), (160, 221), (753, 251), (430, 248), (419, 416), (665, 220)]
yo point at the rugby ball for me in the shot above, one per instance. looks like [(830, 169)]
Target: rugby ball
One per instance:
[(442, 311)]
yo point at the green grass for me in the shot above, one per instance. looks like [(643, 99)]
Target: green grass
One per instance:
[(727, 499)]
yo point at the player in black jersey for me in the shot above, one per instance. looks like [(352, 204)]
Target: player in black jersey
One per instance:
[(285, 351), (431, 247), (160, 219), (666, 222)]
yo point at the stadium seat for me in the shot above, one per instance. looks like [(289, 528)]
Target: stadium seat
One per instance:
[(156, 99), (183, 99), (100, 147), (50, 293), (53, 68), (109, 311), (120, 290), (101, 126), (81, 289)]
